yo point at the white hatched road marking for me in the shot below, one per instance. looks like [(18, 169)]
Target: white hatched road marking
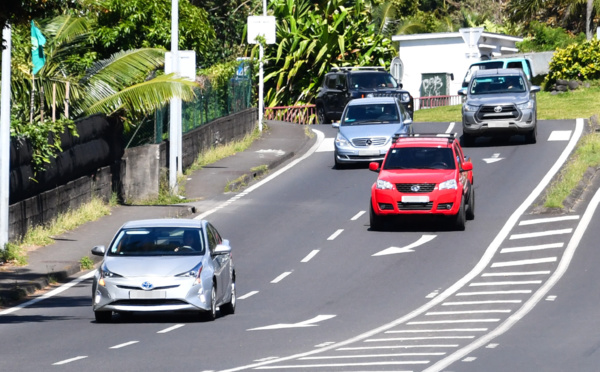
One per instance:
[(523, 282), (540, 234), (171, 328), (485, 293), (300, 366), (326, 145), (335, 234), (455, 321), (123, 345), (373, 356), (467, 312), (517, 273), (280, 277), (384, 347), (249, 294), (419, 338), (532, 261), (439, 330), (560, 135), (547, 220), (310, 255), (532, 248), (469, 303), (69, 360)]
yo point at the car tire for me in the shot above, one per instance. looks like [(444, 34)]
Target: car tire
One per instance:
[(531, 136), (211, 314), (470, 212), (229, 308), (103, 316), (468, 140), (321, 117), (460, 218), (375, 220)]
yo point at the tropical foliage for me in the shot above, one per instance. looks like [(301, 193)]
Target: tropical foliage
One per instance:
[(576, 62), (314, 36)]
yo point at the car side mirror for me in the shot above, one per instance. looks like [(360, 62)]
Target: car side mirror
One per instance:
[(467, 166), (335, 124), (374, 166), (407, 121), (222, 248), (534, 89), (99, 250), (462, 92)]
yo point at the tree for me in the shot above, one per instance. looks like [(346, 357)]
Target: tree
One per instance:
[(23, 11)]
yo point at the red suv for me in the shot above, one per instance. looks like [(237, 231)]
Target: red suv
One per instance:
[(423, 174)]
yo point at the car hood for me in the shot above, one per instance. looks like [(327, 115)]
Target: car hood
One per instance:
[(497, 99), (158, 266), (418, 175), (372, 130)]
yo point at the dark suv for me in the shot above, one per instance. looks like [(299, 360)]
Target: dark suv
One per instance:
[(345, 83)]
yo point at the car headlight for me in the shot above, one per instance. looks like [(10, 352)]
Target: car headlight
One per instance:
[(370, 95), (384, 185), (405, 97), (449, 185), (470, 108), (341, 141), (105, 273), (525, 106), (193, 273)]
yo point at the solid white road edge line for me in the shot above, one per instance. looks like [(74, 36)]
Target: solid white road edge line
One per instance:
[(320, 137), (479, 267)]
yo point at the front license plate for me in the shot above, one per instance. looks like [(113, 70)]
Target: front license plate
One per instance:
[(368, 152), (147, 294), (415, 199), (502, 124)]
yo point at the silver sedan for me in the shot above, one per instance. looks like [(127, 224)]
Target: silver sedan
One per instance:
[(165, 265)]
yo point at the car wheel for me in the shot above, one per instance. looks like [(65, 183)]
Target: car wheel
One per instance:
[(376, 221), (459, 219), (212, 313), (103, 316), (229, 308), (471, 206), (531, 137), (321, 115), (468, 140)]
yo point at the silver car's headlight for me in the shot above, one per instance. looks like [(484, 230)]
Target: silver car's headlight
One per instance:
[(448, 185), (470, 108), (384, 185), (106, 273), (193, 273), (341, 141), (525, 106), (405, 97)]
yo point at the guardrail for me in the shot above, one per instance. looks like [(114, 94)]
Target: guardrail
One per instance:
[(436, 101), (304, 114)]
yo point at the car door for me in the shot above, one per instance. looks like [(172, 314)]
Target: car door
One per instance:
[(335, 99), (221, 262)]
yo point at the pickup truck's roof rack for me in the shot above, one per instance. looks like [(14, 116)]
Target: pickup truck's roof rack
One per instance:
[(450, 136), (355, 68)]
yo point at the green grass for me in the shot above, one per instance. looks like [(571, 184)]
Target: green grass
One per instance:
[(580, 103)]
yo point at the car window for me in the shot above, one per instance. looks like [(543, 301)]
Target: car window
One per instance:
[(497, 84), (157, 241), (214, 238), (371, 114), (420, 158), (331, 81), (366, 80)]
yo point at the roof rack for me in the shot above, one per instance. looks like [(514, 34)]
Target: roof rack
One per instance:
[(363, 68), (450, 136)]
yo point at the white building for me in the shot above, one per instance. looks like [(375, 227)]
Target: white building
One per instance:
[(430, 60)]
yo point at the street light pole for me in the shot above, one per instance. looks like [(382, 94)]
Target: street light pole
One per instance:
[(175, 104), (5, 138)]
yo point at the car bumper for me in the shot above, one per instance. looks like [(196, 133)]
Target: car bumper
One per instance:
[(363, 155), (440, 202), (526, 122), (170, 294)]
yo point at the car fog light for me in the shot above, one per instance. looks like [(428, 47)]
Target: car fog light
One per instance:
[(97, 297)]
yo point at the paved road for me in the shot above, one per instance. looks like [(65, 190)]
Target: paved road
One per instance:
[(320, 291)]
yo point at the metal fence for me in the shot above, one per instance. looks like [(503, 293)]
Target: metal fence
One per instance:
[(436, 101), (305, 114), (210, 104)]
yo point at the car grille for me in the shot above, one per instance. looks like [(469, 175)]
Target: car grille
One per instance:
[(148, 302), (407, 187), (388, 94), (415, 206), (509, 112), (363, 142), (153, 289)]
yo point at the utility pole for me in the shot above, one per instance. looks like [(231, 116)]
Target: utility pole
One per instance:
[(175, 167), (5, 137)]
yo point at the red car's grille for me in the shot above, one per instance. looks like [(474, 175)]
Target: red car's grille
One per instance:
[(415, 206), (415, 187)]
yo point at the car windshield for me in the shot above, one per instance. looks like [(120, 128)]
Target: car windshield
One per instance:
[(420, 158), (497, 84), (157, 241), (371, 114), (372, 80)]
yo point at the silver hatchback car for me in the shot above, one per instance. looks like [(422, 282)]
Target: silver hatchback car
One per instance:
[(367, 127), (499, 101), (164, 265)]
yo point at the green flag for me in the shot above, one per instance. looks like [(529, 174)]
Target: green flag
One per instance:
[(37, 48)]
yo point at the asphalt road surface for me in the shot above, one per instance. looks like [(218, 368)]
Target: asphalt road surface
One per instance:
[(318, 291)]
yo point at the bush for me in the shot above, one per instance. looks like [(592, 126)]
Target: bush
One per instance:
[(579, 61), (543, 38)]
